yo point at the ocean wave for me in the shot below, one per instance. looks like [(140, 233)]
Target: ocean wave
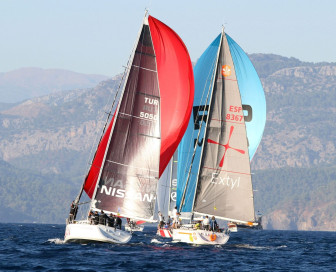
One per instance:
[(56, 241), (156, 241), (248, 246)]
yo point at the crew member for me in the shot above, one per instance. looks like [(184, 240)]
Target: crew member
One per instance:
[(118, 222), (102, 218), (110, 220), (73, 212), (161, 220), (213, 224), (96, 218), (206, 223)]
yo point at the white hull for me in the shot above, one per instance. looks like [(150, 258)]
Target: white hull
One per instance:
[(82, 231), (135, 228), (200, 237), (232, 227)]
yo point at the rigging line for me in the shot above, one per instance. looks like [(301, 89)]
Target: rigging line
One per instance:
[(208, 79), (198, 110), (108, 113), (98, 128), (82, 203), (102, 134), (197, 139)]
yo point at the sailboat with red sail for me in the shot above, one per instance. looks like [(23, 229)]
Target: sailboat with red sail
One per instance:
[(151, 117)]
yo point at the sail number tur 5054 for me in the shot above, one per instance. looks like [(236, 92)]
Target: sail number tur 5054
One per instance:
[(149, 103)]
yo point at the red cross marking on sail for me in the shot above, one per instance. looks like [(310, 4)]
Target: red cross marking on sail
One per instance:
[(227, 146)]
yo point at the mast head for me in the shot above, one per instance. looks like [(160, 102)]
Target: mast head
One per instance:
[(145, 20), (223, 32)]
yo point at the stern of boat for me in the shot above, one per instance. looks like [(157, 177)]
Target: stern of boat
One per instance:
[(200, 237), (165, 233)]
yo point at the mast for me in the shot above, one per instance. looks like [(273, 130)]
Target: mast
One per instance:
[(199, 131)]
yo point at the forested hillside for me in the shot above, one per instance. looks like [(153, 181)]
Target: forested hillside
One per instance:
[(26, 196), (297, 198)]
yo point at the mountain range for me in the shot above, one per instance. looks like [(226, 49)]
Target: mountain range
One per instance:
[(49, 140), (26, 83)]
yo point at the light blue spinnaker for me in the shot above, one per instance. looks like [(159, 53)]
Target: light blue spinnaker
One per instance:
[(252, 95)]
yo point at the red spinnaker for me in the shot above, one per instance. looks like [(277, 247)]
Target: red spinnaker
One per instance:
[(176, 83)]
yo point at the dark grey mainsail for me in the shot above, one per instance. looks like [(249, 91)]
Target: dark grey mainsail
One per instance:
[(127, 184), (224, 187)]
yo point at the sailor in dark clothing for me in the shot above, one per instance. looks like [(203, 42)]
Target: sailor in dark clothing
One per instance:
[(110, 220), (96, 218), (117, 223), (102, 218), (73, 212), (90, 217), (213, 224)]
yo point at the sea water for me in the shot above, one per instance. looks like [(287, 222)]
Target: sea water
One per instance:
[(38, 247)]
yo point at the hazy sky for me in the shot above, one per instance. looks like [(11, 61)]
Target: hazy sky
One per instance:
[(97, 36)]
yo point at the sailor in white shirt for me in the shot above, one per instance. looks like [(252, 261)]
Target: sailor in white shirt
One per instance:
[(206, 223), (161, 219)]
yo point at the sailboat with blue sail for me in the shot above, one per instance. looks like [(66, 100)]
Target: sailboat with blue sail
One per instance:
[(223, 134)]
